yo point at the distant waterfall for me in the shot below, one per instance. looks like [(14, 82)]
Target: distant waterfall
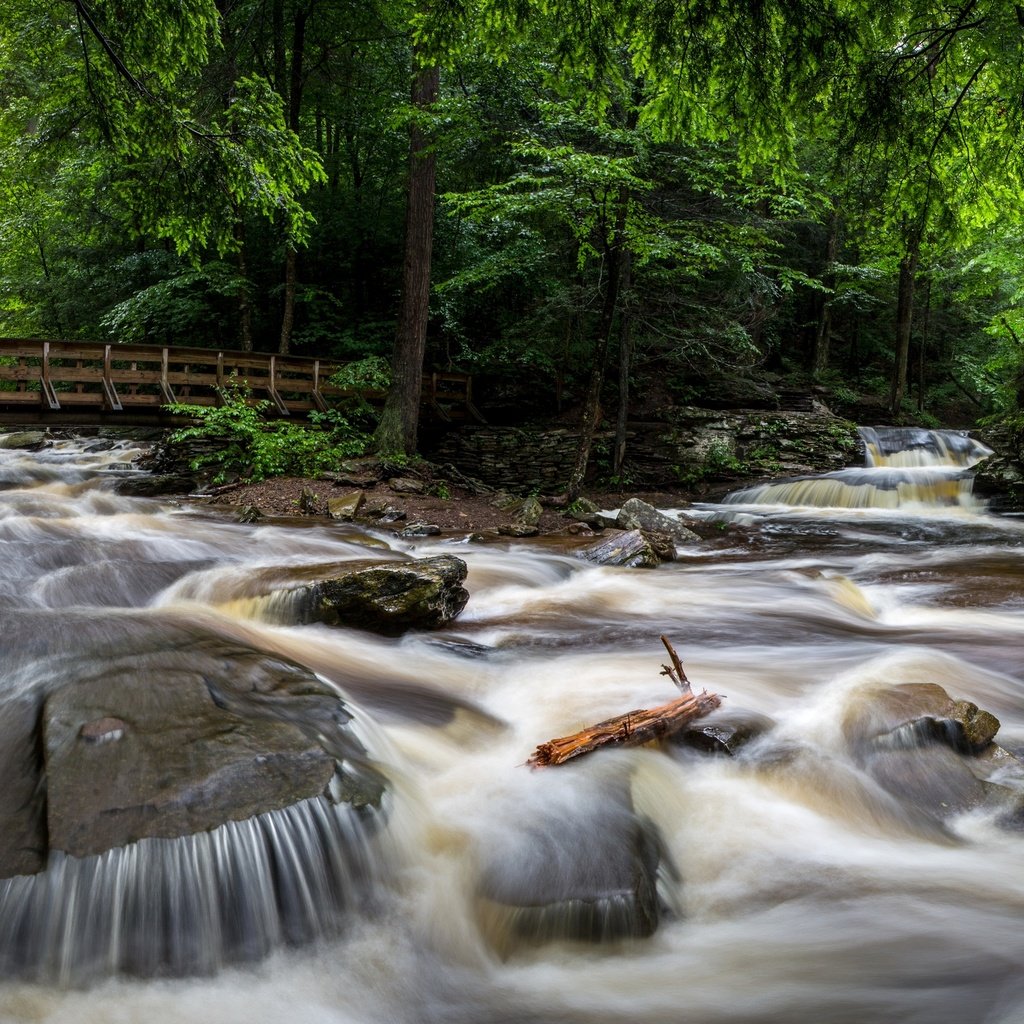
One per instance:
[(905, 467)]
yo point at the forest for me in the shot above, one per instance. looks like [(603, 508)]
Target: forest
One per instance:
[(576, 201)]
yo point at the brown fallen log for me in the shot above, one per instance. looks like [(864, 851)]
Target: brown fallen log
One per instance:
[(634, 728)]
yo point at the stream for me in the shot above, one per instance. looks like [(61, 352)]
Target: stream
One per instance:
[(790, 883)]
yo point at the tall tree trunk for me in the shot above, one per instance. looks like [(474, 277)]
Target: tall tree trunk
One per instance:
[(399, 422), (592, 401), (823, 335), (244, 300), (625, 358), (904, 319), (924, 343), (291, 257)]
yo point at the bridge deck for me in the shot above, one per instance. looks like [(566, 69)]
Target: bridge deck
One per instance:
[(50, 379)]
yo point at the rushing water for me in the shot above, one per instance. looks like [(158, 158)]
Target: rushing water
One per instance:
[(792, 887)]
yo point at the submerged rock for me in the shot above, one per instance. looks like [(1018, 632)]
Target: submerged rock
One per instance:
[(927, 749), (585, 872), (725, 731)]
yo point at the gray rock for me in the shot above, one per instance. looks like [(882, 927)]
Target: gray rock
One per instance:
[(585, 872), (383, 511), (155, 729), (249, 514), (385, 597), (407, 485), (420, 530), (184, 764), (631, 550), (916, 715), (935, 779), (25, 440), (638, 515), (345, 507)]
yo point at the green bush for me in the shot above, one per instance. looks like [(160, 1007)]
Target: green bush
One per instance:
[(254, 448)]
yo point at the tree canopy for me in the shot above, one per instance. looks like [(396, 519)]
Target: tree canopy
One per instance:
[(705, 194)]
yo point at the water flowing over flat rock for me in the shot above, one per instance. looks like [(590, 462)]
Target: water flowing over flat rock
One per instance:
[(383, 596)]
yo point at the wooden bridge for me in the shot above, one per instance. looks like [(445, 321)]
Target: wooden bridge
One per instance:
[(76, 381)]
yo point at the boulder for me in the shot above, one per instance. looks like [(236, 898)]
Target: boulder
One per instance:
[(630, 549), (345, 507), (638, 515), (935, 779), (583, 870), (24, 440), (915, 715), (383, 597), (158, 729)]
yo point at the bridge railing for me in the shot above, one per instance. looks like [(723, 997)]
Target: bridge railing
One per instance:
[(55, 375)]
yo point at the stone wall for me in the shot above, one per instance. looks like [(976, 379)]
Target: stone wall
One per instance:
[(688, 447)]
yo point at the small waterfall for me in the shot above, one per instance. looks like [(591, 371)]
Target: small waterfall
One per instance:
[(192, 904), (905, 467)]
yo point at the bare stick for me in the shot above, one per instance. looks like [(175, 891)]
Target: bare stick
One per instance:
[(676, 673)]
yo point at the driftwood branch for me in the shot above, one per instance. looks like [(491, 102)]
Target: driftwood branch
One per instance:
[(634, 728), (675, 672)]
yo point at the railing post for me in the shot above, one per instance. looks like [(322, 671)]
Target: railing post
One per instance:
[(272, 389), (165, 385), (48, 395), (109, 391)]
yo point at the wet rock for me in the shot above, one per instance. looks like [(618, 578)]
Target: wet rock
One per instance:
[(935, 779), (24, 440), (630, 549), (420, 530), (345, 507), (249, 514), (185, 765), (585, 873), (638, 515), (407, 485), (918, 714), (725, 731), (385, 597), (154, 729), (23, 835)]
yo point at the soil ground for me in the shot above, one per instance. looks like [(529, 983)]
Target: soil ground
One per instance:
[(460, 511)]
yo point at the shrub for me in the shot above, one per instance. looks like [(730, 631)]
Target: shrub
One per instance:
[(254, 448)]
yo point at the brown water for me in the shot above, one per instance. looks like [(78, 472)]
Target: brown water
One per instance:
[(793, 888)]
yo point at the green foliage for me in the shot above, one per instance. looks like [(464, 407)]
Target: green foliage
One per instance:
[(251, 447), (372, 373)]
